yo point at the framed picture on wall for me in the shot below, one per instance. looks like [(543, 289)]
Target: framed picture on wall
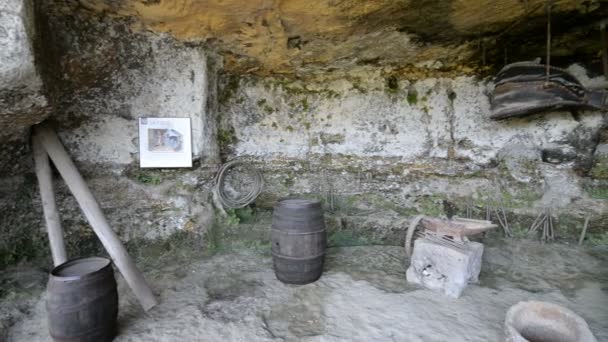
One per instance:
[(165, 142)]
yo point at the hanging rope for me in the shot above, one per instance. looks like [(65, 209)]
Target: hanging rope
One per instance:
[(527, 14), (229, 201), (548, 61)]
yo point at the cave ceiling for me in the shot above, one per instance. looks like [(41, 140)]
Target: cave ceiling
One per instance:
[(295, 37)]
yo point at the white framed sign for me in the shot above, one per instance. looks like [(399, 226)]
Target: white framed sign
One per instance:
[(165, 142)]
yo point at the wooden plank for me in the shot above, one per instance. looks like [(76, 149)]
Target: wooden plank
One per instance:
[(49, 206), (94, 215)]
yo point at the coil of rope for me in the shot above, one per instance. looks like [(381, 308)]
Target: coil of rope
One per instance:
[(230, 202)]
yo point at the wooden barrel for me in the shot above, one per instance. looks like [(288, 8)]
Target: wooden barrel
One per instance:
[(82, 301), (299, 240)]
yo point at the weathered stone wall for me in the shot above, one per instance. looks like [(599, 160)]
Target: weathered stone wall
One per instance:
[(376, 142), (105, 77), (378, 147), (22, 102)]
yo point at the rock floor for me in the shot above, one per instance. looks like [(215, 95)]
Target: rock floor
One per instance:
[(362, 296)]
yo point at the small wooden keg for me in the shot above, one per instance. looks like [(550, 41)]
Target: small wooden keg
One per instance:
[(82, 301)]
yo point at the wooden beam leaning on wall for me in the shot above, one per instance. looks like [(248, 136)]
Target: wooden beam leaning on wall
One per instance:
[(91, 209), (49, 206)]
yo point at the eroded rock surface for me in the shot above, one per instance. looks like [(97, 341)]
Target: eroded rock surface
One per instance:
[(22, 101), (379, 114), (362, 296)]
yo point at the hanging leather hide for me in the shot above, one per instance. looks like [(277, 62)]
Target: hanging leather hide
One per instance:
[(523, 89)]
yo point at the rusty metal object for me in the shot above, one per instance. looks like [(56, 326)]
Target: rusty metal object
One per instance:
[(441, 240), (451, 232)]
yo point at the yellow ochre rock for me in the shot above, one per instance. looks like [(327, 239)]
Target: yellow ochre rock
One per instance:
[(295, 36)]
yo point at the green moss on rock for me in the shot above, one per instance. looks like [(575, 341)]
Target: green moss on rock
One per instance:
[(412, 97), (225, 137), (600, 169), (149, 179), (21, 225), (599, 193), (392, 85), (229, 87), (305, 105), (327, 138), (242, 229), (431, 205), (345, 239)]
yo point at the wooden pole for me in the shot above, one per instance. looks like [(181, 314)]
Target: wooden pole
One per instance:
[(49, 207), (94, 215), (582, 238)]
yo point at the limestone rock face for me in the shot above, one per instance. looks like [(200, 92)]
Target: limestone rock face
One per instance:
[(22, 102), (293, 36), (108, 76), (416, 121), (377, 106)]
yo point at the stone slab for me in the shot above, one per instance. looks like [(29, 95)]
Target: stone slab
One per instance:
[(443, 268)]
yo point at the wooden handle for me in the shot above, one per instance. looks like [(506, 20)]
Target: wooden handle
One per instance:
[(49, 206), (94, 215)]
